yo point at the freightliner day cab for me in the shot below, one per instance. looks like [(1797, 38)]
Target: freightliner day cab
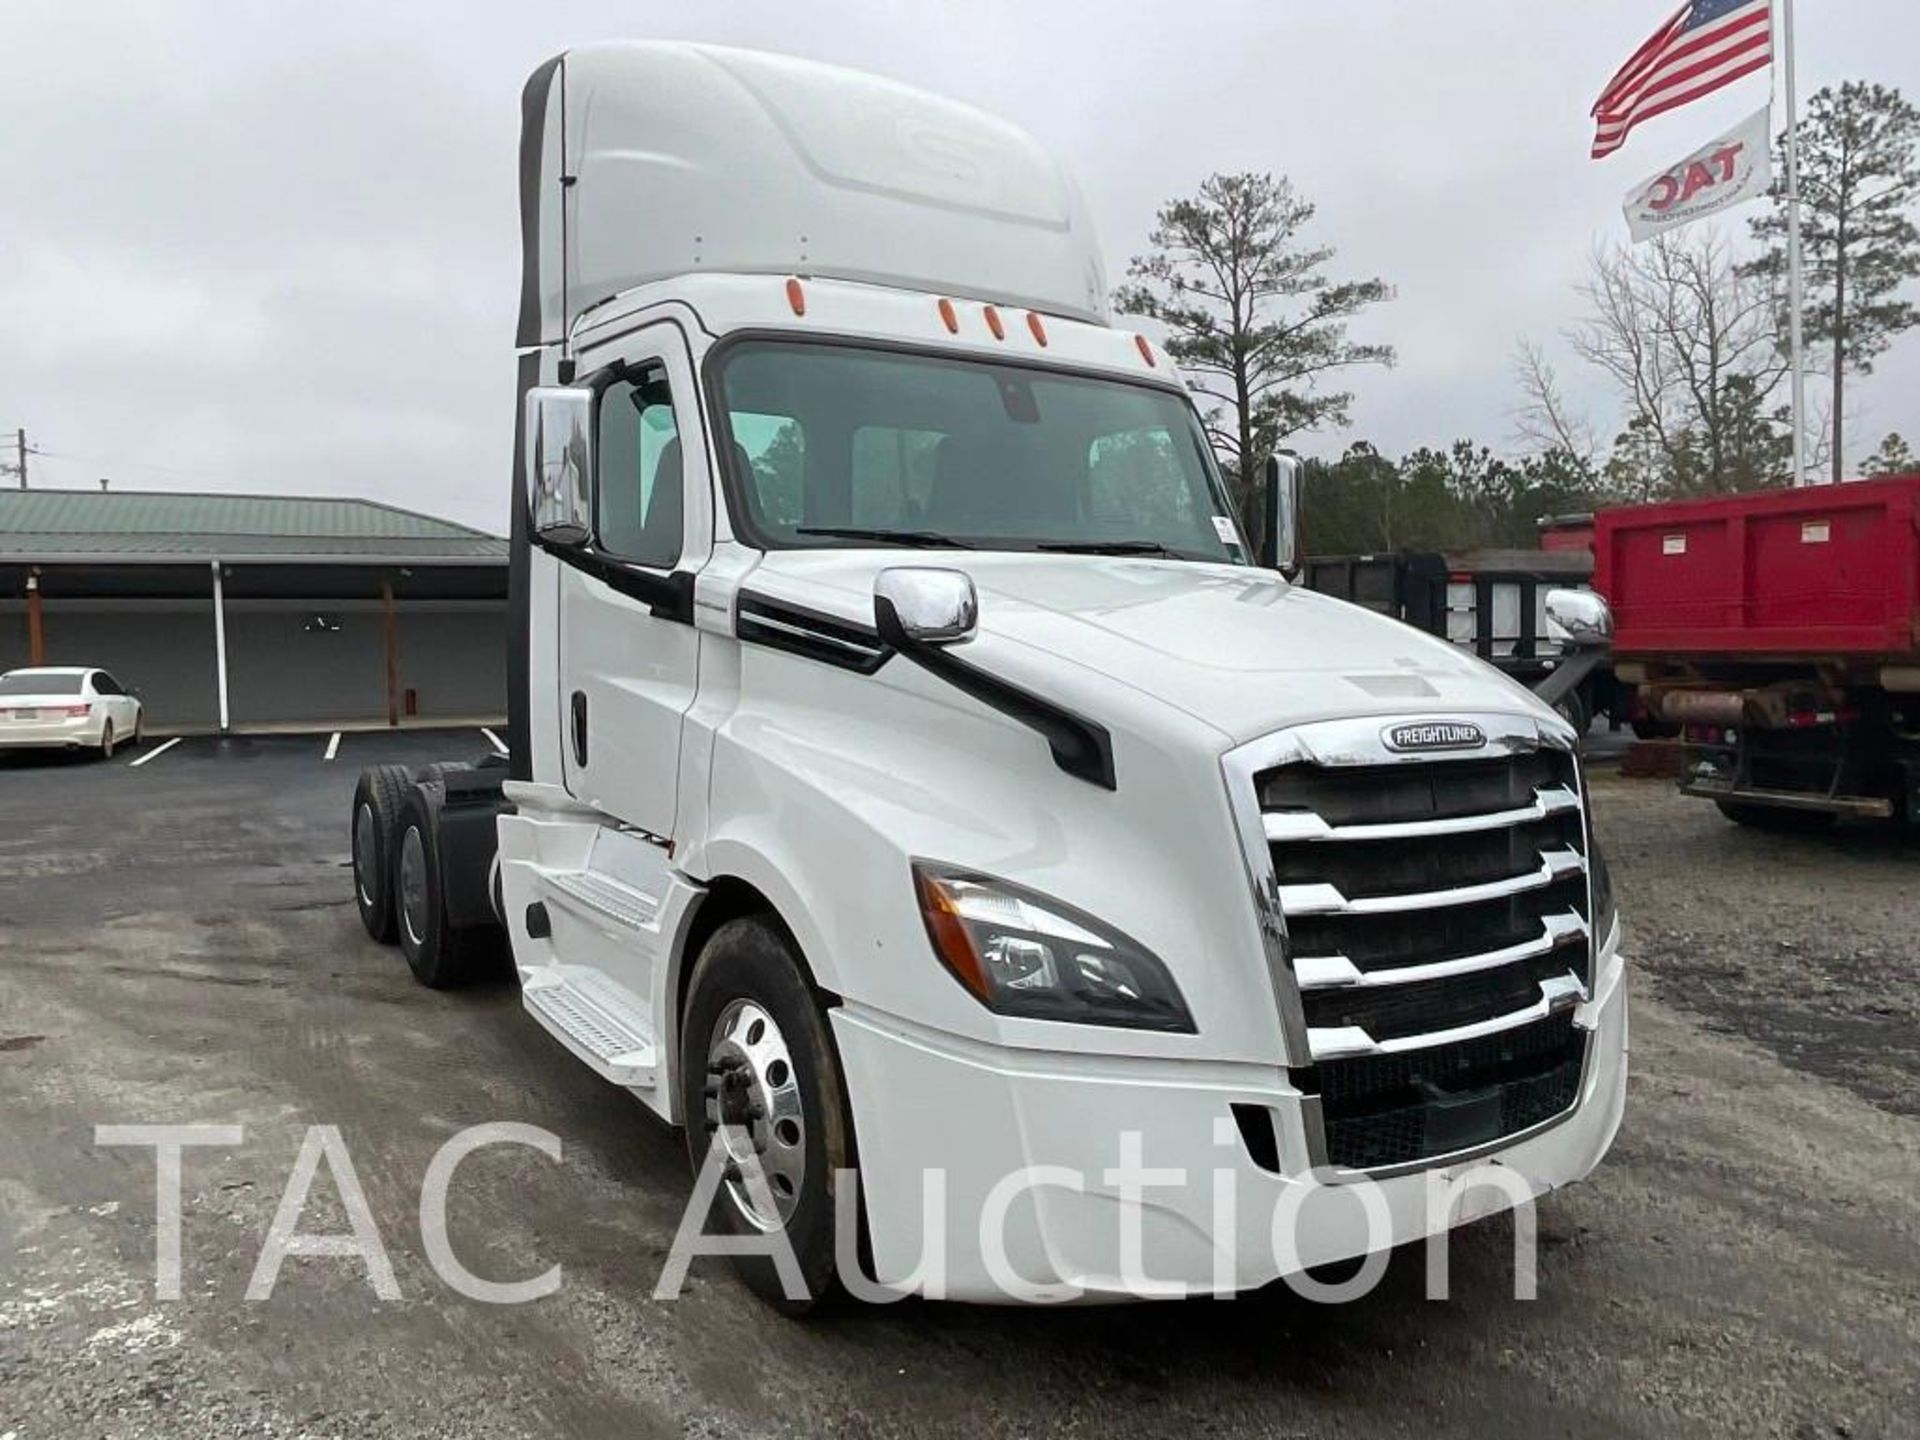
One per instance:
[(913, 771)]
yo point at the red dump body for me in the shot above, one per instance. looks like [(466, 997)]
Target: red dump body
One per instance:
[(1567, 532), (1825, 571)]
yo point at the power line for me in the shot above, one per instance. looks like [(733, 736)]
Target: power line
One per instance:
[(68, 458)]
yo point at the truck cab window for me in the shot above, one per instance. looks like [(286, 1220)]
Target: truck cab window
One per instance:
[(639, 492), (893, 470), (771, 453), (1135, 484), (964, 451)]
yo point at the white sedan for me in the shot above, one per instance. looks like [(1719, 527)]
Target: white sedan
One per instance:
[(72, 707)]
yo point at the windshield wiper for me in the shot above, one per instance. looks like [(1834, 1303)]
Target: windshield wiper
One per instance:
[(920, 539), (1116, 547)]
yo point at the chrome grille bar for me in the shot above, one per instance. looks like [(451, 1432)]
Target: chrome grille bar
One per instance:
[(1286, 827), (1339, 1042), (1337, 972), (1323, 899)]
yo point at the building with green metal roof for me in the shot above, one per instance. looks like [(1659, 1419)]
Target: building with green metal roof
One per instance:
[(64, 526), (228, 611)]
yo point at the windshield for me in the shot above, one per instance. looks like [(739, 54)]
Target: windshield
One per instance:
[(838, 445), (40, 682)]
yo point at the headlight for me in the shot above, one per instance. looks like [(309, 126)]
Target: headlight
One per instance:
[(1605, 910), (1023, 954)]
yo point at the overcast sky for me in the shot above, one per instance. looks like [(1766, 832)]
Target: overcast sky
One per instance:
[(274, 246)]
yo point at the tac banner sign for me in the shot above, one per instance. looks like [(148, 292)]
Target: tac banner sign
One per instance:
[(1716, 177)]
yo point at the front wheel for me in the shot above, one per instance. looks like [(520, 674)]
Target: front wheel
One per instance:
[(761, 1084)]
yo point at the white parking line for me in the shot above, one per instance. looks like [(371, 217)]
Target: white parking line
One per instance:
[(156, 752), (333, 745), (499, 747)]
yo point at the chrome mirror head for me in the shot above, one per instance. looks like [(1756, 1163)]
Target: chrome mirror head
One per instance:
[(1579, 618), (925, 605), (559, 463), (1280, 545)]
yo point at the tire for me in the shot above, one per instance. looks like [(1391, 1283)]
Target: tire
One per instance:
[(374, 824), (139, 722), (106, 739), (438, 954), (1573, 709), (1777, 819), (748, 970)]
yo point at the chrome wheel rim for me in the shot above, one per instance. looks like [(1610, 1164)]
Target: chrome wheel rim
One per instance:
[(754, 1111), (413, 885), (364, 862)]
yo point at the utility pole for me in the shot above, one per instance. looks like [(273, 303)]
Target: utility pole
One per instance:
[(20, 451)]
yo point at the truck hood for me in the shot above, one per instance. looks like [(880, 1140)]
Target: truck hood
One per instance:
[(1234, 647)]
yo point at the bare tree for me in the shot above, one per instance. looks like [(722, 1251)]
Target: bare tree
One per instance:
[(1543, 421), (1691, 342)]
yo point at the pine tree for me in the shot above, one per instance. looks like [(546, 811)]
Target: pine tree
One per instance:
[(1859, 178), (1894, 457), (1254, 319)]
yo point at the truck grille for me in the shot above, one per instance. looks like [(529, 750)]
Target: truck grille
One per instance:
[(1381, 1111), (1437, 932)]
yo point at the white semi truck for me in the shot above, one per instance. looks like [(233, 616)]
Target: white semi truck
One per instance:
[(913, 773)]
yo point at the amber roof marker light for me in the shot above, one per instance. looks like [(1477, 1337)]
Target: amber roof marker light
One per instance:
[(993, 323), (1038, 327), (796, 297)]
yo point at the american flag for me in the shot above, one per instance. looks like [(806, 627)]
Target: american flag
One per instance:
[(1710, 43)]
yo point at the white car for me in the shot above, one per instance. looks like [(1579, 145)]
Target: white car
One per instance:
[(72, 707)]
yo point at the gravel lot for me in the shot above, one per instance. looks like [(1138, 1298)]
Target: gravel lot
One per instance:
[(180, 945)]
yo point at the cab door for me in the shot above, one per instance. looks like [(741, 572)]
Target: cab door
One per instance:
[(629, 653)]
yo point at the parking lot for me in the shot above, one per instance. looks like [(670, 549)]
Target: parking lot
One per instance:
[(181, 946)]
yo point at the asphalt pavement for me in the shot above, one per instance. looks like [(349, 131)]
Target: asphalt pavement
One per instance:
[(180, 945)]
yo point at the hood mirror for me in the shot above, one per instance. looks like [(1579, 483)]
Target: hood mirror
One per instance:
[(559, 463), (916, 605), (1579, 619)]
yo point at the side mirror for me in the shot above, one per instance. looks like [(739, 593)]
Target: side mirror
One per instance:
[(923, 605), (1280, 545), (560, 463), (1579, 619)]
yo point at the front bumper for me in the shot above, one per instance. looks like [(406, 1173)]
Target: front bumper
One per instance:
[(1030, 1150)]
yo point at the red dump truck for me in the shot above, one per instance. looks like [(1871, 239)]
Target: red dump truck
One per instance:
[(1781, 632)]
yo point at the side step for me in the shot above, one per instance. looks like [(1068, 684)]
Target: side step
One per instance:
[(589, 1015), (1863, 806), (601, 896)]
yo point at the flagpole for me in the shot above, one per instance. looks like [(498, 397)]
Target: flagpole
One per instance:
[(1795, 283)]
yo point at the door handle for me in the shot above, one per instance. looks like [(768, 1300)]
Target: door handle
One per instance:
[(580, 728)]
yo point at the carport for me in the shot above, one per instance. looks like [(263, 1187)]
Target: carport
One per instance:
[(241, 611)]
